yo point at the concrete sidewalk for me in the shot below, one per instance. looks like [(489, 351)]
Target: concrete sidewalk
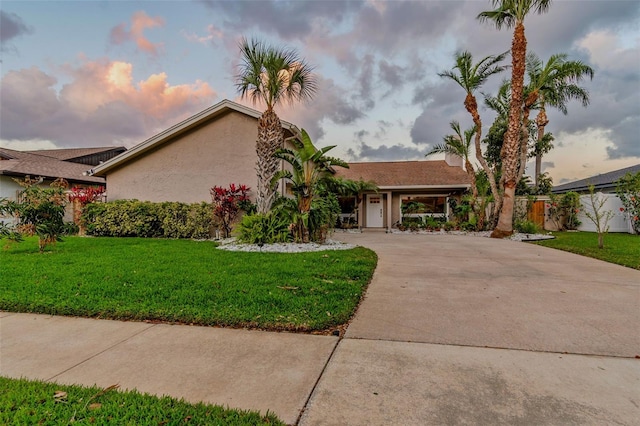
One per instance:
[(237, 368), (453, 330)]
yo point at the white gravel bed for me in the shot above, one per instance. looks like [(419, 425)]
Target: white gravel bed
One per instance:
[(486, 234), (231, 245)]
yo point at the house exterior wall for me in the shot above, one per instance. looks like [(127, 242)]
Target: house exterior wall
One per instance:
[(219, 152)]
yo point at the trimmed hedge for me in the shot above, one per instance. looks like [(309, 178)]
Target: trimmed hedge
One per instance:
[(133, 218)]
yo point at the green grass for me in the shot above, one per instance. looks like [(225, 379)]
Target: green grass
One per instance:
[(27, 402), (184, 281), (623, 249)]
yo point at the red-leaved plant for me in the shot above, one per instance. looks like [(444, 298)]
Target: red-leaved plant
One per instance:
[(227, 204), (80, 197)]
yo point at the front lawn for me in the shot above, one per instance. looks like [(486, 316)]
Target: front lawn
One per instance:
[(623, 249), (27, 402), (184, 281)]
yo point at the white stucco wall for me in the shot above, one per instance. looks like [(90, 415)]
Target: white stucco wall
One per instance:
[(219, 152)]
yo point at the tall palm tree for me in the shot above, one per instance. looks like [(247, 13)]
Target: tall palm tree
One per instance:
[(271, 75), (511, 14), (460, 144), (309, 167), (471, 77), (554, 84)]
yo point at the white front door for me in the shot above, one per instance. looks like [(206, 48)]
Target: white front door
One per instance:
[(374, 211)]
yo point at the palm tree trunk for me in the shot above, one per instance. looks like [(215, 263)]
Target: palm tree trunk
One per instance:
[(270, 138), (541, 122), (511, 145), (472, 107)]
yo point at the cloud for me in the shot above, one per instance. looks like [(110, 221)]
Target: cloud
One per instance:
[(100, 106), (290, 20), (212, 34), (329, 104), (11, 26), (139, 22), (365, 152)]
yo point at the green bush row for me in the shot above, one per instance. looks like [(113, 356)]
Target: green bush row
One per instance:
[(133, 218)]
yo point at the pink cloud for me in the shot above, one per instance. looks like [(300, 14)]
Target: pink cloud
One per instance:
[(102, 105), (139, 22)]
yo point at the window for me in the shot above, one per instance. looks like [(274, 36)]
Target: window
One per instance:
[(423, 205)]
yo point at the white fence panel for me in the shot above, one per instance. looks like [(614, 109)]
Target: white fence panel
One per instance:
[(618, 223)]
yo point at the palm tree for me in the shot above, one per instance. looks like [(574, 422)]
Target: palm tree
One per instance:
[(554, 84), (470, 77), (271, 75), (460, 145), (352, 188), (309, 167), (511, 14)]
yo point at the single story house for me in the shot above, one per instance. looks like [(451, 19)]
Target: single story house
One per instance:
[(430, 184), (217, 147), (214, 147), (605, 182)]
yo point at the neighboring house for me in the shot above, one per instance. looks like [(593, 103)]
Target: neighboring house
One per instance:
[(50, 166), (214, 147), (429, 183), (605, 182), (88, 156), (605, 188)]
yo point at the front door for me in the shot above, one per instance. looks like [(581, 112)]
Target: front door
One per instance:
[(374, 211)]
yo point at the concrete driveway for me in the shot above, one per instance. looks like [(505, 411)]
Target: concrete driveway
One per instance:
[(468, 330)]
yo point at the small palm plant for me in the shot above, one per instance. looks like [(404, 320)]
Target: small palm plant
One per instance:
[(309, 168)]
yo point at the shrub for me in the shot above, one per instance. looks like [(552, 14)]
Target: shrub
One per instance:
[(227, 204), (526, 227), (563, 210), (39, 210), (628, 190), (264, 229), (133, 218)]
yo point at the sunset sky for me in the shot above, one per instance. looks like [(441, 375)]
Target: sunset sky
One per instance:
[(102, 73)]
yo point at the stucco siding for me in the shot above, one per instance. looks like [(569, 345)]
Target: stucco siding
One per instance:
[(184, 169)]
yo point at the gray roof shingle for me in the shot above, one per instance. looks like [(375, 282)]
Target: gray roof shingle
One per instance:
[(21, 163), (604, 181)]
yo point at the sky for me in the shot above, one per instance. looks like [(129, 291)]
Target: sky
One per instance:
[(111, 73)]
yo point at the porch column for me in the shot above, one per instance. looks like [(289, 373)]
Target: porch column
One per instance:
[(389, 204)]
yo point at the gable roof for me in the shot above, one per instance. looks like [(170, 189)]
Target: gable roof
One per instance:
[(21, 163), (599, 182), (210, 113), (407, 174), (70, 154)]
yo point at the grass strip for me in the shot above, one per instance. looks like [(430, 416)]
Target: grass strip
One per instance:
[(31, 402), (184, 281), (622, 249)]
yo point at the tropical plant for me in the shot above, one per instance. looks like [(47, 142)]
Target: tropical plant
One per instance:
[(460, 144), (511, 14), (227, 205), (81, 197), (310, 167), (628, 190), (262, 229), (271, 75), (470, 77), (350, 188), (553, 84)]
